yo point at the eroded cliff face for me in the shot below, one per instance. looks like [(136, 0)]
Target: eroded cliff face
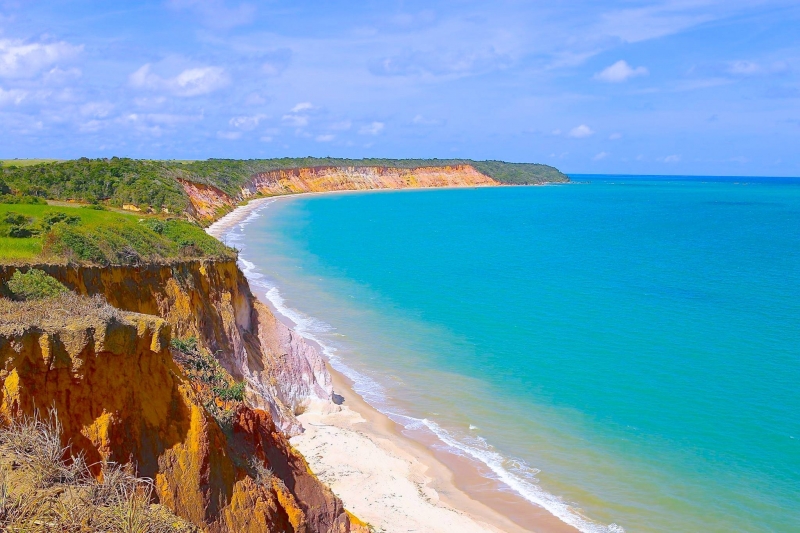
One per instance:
[(323, 179), (208, 202), (211, 300), (120, 397)]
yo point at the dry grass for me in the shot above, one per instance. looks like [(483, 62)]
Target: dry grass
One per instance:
[(53, 313), (41, 491)]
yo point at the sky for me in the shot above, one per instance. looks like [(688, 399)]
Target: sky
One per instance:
[(702, 87)]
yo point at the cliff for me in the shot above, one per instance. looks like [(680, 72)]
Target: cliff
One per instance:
[(208, 202), (119, 396), (211, 300)]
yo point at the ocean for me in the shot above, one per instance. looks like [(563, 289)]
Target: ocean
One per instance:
[(623, 351)]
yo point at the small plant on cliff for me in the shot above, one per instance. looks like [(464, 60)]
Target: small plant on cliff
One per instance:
[(216, 386), (34, 284), (261, 473)]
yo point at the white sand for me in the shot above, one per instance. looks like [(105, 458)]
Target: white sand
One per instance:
[(377, 480)]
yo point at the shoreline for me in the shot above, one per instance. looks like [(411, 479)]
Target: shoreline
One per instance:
[(388, 479)]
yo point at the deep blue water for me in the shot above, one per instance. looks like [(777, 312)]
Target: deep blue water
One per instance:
[(635, 340)]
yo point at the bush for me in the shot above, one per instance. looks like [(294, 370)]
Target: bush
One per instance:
[(34, 284), (231, 393)]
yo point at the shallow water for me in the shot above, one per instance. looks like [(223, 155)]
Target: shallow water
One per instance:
[(621, 350)]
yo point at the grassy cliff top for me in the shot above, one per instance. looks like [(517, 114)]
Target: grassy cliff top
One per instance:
[(153, 184), (50, 233)]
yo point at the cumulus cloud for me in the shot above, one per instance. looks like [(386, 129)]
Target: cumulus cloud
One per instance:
[(372, 129), (672, 159), (302, 106), (12, 96), (615, 136), (247, 123), (600, 156), (190, 82), (296, 121), (25, 60), (619, 72), (96, 109), (580, 132), (325, 138), (216, 13)]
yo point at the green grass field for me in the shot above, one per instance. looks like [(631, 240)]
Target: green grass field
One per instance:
[(83, 234)]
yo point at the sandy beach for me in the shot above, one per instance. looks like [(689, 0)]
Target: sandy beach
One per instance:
[(393, 482)]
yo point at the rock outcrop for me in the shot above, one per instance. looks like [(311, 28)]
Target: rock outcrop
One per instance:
[(212, 301), (207, 202), (120, 397)]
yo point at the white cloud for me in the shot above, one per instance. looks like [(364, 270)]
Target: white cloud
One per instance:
[(580, 132), (97, 109), (325, 138), (600, 156), (57, 76), (556, 131), (229, 135), (12, 96), (372, 129), (672, 159), (297, 121), (21, 60), (615, 136), (190, 82), (247, 123), (302, 106), (619, 72), (266, 139)]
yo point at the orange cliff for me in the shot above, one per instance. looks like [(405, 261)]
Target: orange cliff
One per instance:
[(120, 397), (208, 202), (211, 300)]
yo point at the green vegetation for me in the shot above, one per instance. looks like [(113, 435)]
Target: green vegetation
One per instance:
[(219, 391), (92, 235), (153, 185), (34, 284)]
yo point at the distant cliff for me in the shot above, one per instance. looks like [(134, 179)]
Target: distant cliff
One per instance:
[(208, 189)]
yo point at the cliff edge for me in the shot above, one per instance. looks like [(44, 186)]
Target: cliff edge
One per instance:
[(119, 396)]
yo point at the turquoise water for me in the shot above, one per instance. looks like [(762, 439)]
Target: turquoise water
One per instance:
[(621, 350)]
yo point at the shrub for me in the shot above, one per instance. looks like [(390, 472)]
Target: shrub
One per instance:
[(231, 393), (34, 284)]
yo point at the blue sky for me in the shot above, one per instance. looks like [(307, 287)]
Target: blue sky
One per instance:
[(656, 87)]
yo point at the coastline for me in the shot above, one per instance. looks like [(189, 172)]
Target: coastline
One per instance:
[(388, 479)]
